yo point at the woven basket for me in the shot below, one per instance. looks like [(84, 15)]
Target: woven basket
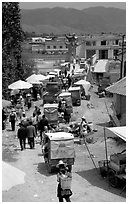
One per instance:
[(66, 183)]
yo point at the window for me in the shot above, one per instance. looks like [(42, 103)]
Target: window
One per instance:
[(54, 47), (48, 47), (61, 46), (116, 42), (115, 52), (88, 43), (103, 54), (94, 43), (103, 42)]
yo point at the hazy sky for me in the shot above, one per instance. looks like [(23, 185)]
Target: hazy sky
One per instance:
[(68, 4)]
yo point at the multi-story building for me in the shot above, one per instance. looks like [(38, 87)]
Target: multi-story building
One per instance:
[(104, 46), (49, 46)]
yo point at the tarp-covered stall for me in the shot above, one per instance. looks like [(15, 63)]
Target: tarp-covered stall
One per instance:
[(119, 131), (51, 113), (62, 145)]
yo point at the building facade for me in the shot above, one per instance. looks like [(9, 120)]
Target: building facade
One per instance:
[(104, 46), (48, 46)]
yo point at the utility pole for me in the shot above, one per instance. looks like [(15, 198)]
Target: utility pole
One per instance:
[(122, 58)]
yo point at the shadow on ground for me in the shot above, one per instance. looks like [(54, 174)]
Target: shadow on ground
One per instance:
[(106, 124), (42, 169), (95, 179), (9, 156)]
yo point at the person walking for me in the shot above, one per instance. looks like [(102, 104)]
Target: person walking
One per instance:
[(69, 80), (12, 119), (67, 115), (22, 135), (31, 134), (34, 121), (43, 122), (4, 118), (63, 172), (28, 101)]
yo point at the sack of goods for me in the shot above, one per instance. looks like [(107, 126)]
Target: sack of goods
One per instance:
[(65, 182)]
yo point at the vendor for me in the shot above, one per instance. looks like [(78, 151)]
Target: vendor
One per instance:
[(84, 127)]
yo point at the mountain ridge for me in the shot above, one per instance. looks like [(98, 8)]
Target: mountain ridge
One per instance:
[(57, 19)]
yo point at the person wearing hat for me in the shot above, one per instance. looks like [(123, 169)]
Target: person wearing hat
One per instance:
[(84, 127), (63, 172), (22, 135)]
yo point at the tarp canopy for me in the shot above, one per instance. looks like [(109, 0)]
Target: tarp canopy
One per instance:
[(11, 176), (81, 82), (65, 94), (20, 85), (86, 85), (56, 136), (101, 66), (74, 88), (119, 131)]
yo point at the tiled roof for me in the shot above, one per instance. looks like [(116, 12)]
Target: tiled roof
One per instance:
[(118, 88)]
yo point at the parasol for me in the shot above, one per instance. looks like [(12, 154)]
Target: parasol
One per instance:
[(81, 82), (41, 77), (35, 78), (86, 85), (20, 85)]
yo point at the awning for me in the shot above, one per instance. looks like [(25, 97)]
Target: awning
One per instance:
[(119, 131), (101, 66)]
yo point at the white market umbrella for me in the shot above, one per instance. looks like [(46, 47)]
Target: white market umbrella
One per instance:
[(36, 78), (86, 85), (41, 77), (36, 82), (11, 176), (32, 78), (81, 82), (20, 85)]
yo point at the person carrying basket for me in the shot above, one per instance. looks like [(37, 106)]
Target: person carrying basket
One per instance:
[(64, 178)]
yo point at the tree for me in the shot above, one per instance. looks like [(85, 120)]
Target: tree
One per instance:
[(12, 68)]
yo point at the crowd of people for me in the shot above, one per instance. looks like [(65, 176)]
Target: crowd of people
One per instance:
[(29, 128)]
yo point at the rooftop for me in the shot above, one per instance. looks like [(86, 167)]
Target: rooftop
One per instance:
[(118, 88)]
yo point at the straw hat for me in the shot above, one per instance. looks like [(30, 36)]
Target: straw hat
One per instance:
[(60, 163)]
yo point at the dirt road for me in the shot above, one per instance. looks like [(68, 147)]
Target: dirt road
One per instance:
[(87, 184)]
